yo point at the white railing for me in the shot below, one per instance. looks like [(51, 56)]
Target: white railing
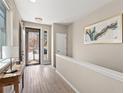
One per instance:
[(72, 66)]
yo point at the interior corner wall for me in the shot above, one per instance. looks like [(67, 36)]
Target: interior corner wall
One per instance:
[(69, 40), (106, 55)]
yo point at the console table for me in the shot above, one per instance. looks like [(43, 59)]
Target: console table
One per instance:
[(13, 78)]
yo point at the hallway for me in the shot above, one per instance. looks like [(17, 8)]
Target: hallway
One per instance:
[(44, 79)]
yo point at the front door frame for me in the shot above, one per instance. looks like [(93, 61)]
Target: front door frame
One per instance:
[(27, 30)]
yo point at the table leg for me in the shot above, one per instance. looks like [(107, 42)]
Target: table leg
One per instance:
[(23, 81), (1, 89), (16, 88)]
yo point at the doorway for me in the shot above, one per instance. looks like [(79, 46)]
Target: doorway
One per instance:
[(61, 41), (32, 46)]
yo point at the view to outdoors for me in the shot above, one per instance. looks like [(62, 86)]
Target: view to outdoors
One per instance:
[(2, 26), (33, 47)]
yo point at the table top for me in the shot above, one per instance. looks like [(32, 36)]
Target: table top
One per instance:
[(18, 67)]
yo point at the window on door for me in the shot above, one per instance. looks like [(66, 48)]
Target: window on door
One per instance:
[(45, 46)]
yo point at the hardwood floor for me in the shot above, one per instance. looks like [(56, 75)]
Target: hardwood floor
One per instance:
[(32, 62), (44, 79)]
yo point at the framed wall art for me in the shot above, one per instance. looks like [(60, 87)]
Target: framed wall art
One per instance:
[(107, 31)]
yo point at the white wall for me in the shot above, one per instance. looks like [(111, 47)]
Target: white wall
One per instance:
[(106, 55)]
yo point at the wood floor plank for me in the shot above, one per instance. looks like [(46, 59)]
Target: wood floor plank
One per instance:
[(44, 79)]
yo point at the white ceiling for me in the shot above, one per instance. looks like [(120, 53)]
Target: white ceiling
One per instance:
[(62, 11)]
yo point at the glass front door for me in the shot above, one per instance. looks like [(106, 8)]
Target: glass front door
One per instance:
[(33, 46)]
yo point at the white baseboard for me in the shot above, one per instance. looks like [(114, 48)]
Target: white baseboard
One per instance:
[(67, 82)]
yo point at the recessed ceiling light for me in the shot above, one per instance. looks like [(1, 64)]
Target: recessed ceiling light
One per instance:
[(33, 1)]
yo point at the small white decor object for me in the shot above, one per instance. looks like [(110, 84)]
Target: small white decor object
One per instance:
[(10, 52)]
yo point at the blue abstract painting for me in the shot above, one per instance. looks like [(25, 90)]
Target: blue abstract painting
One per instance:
[(107, 31)]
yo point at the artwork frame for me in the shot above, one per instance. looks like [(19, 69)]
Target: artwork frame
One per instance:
[(106, 31)]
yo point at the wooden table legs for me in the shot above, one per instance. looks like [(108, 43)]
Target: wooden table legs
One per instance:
[(1, 89), (16, 87), (12, 78)]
